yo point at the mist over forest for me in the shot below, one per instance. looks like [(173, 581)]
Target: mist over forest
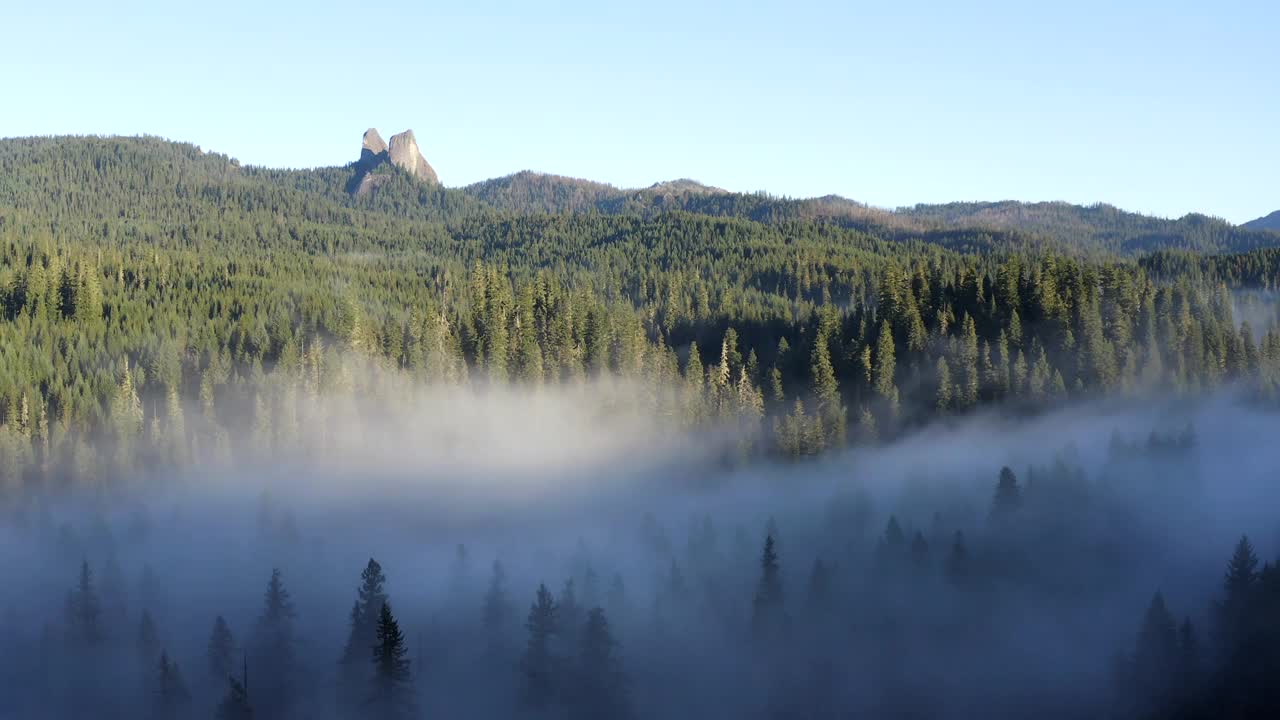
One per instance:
[(350, 443), (990, 564)]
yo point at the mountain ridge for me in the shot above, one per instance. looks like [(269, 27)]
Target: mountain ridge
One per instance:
[(374, 182), (1266, 222)]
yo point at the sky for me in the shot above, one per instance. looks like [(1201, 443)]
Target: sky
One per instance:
[(1160, 107)]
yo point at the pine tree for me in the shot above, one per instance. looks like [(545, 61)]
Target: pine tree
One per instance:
[(1238, 588), (172, 695), (826, 390), (274, 648), (1188, 674), (944, 392), (1155, 660), (969, 362), (885, 370), (84, 611), (497, 612), (570, 615), (538, 667), (694, 400), (1008, 496), (600, 690), (392, 692), (221, 650), (767, 611), (365, 616), (235, 704)]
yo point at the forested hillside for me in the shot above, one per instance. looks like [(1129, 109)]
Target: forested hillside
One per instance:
[(147, 283)]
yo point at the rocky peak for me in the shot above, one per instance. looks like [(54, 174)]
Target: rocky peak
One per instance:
[(405, 155), (373, 143)]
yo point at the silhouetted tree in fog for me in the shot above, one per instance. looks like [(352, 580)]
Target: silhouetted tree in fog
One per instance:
[(600, 686), (1187, 680), (392, 695), (570, 617), (768, 615), (539, 667), (1237, 591), (362, 635), (1008, 496), (84, 611), (220, 651), (172, 695), (1156, 657), (496, 614), (273, 650), (235, 704)]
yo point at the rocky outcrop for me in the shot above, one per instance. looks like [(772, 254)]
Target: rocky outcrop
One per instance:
[(405, 155), (372, 146)]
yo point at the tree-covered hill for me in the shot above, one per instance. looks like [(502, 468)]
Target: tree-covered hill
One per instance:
[(1268, 222), (154, 294)]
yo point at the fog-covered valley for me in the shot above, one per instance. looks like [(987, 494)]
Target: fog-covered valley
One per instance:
[(908, 580)]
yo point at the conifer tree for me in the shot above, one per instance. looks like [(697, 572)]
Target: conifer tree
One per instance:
[(274, 649), (569, 611), (235, 704), (1008, 495), (886, 370), (539, 665), (220, 652), (496, 612), (365, 616), (944, 393), (1188, 673), (392, 695), (1238, 585), (172, 695), (826, 390), (600, 690), (767, 611), (84, 611), (1155, 660), (969, 362)]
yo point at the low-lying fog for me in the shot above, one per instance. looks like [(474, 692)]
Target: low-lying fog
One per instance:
[(663, 530)]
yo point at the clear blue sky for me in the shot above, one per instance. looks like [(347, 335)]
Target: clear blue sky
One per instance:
[(1162, 107)]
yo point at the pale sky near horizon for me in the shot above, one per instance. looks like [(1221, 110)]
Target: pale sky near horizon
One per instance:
[(1159, 107)]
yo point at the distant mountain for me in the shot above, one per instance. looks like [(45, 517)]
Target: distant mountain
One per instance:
[(394, 190), (1270, 222)]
